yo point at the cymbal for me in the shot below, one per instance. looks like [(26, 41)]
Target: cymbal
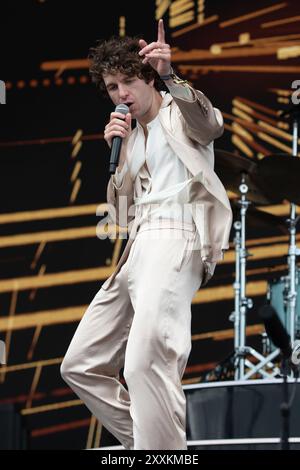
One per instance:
[(260, 219), (291, 113), (230, 167), (280, 173)]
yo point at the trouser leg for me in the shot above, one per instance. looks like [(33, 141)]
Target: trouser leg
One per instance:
[(96, 354), (162, 279)]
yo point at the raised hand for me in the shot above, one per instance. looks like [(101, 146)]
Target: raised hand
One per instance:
[(157, 54)]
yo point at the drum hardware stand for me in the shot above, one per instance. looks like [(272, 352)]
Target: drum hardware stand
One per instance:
[(290, 293), (243, 303), (293, 250), (291, 297)]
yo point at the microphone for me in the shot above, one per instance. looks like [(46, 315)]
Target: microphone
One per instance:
[(279, 336), (117, 142)]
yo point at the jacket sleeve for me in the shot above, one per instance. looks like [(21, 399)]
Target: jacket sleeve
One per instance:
[(203, 122), (120, 197)]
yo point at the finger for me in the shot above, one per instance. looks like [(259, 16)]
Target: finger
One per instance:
[(142, 43), (149, 47), (114, 115), (155, 46), (161, 31), (116, 130), (160, 54), (159, 50), (118, 123), (128, 120)]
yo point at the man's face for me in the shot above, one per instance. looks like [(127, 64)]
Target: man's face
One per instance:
[(133, 91)]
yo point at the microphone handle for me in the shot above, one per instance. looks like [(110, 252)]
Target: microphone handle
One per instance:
[(115, 154)]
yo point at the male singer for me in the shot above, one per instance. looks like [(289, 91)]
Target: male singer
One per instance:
[(180, 219)]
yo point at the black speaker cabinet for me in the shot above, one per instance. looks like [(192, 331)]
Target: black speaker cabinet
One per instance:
[(241, 414)]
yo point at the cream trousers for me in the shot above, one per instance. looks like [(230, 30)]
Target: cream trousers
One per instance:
[(142, 322)]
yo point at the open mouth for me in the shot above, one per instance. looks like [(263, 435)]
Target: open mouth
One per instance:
[(129, 104)]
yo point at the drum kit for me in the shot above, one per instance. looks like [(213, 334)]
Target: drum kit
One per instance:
[(274, 179)]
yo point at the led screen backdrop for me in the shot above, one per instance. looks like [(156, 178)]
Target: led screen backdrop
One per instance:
[(54, 172)]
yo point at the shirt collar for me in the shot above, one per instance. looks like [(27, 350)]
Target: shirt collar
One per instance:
[(166, 100)]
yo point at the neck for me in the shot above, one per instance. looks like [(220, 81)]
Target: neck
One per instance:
[(153, 109)]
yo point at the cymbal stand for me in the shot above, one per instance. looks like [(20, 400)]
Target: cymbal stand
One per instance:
[(290, 292), (292, 280), (293, 250), (235, 316), (243, 303)]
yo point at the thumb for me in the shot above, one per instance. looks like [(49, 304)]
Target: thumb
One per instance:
[(128, 119), (142, 43)]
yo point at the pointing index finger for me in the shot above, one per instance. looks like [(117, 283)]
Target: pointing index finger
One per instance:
[(161, 31)]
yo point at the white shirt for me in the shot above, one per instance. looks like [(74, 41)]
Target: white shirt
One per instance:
[(163, 180)]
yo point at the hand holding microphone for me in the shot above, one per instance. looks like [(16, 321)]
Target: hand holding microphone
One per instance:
[(116, 133)]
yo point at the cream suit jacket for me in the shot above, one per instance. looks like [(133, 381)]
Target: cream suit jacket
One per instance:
[(190, 129)]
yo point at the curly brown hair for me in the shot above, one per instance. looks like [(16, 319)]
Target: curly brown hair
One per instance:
[(120, 54)]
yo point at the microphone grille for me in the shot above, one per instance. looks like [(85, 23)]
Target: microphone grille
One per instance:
[(122, 108)]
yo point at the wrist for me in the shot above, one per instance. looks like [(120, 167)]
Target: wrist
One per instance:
[(172, 79), (166, 77)]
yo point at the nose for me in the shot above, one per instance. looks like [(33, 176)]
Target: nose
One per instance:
[(123, 92)]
